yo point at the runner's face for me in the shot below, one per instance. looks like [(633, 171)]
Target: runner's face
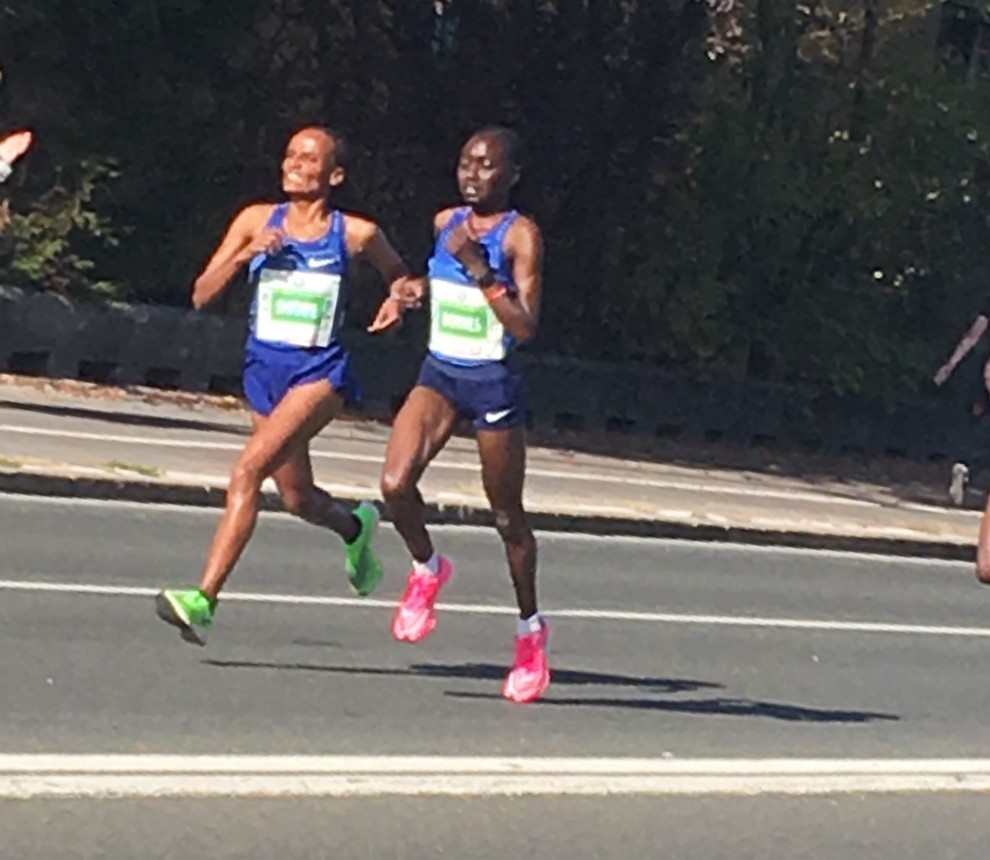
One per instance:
[(484, 174), (309, 168)]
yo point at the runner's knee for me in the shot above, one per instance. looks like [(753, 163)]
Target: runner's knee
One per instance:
[(511, 525), (245, 482), (396, 483)]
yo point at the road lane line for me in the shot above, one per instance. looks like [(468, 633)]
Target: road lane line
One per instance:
[(45, 776), (822, 625), (584, 476)]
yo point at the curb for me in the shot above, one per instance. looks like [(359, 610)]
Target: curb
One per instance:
[(60, 486)]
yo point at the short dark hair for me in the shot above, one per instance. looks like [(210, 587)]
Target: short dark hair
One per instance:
[(341, 147), (514, 147)]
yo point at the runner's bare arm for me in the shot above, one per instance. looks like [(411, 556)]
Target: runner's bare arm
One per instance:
[(365, 238), (521, 315), (969, 340), (245, 237)]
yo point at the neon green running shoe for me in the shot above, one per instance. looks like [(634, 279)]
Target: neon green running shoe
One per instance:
[(363, 567), (188, 609)]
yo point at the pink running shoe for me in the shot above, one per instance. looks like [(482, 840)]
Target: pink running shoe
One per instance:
[(530, 676), (415, 619)]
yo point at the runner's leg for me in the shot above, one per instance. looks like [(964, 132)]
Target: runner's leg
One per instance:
[(300, 415), (421, 429), (503, 473), (419, 432)]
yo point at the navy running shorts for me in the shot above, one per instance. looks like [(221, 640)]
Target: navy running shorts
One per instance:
[(269, 373), (492, 396)]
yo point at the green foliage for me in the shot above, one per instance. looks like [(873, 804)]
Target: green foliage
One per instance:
[(827, 224), (49, 242), (795, 192)]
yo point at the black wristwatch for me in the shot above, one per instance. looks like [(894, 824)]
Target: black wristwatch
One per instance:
[(486, 280)]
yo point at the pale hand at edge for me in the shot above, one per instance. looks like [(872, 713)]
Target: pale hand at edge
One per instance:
[(944, 372), (14, 145)]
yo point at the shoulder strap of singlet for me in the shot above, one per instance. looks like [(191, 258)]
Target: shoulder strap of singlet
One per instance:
[(277, 218), (457, 217), (338, 233), (502, 230)]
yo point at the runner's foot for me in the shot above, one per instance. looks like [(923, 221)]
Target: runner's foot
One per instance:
[(364, 570), (415, 619), (188, 609), (530, 676)]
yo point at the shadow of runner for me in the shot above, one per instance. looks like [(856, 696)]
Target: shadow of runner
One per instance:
[(479, 672), (715, 707)]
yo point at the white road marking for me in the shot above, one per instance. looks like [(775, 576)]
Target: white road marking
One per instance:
[(28, 777), (823, 625), (570, 475)]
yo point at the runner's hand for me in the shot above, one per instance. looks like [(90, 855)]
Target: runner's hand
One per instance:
[(468, 251), (389, 316), (944, 372), (409, 292), (266, 242)]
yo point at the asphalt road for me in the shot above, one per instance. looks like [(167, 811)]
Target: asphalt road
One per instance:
[(663, 651)]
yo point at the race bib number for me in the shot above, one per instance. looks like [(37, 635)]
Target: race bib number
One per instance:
[(296, 308), (462, 325)]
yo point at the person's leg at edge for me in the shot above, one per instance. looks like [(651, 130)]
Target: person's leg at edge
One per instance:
[(503, 473), (275, 441), (419, 432)]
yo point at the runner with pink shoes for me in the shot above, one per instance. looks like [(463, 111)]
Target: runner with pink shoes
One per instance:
[(485, 283)]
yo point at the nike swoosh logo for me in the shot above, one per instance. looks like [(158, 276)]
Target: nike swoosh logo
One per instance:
[(320, 263), (495, 417)]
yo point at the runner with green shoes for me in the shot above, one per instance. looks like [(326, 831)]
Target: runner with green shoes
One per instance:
[(297, 374)]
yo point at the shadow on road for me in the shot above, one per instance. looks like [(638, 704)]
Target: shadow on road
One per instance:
[(714, 707), (480, 672), (720, 706)]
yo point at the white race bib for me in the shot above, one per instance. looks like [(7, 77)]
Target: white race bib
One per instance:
[(296, 308), (462, 325)]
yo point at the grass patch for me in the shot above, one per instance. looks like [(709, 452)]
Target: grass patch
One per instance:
[(7, 463)]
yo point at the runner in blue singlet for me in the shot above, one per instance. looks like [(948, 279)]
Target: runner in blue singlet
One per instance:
[(297, 375), (485, 282)]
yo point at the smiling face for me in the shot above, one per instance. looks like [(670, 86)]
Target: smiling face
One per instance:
[(485, 172), (309, 168)]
